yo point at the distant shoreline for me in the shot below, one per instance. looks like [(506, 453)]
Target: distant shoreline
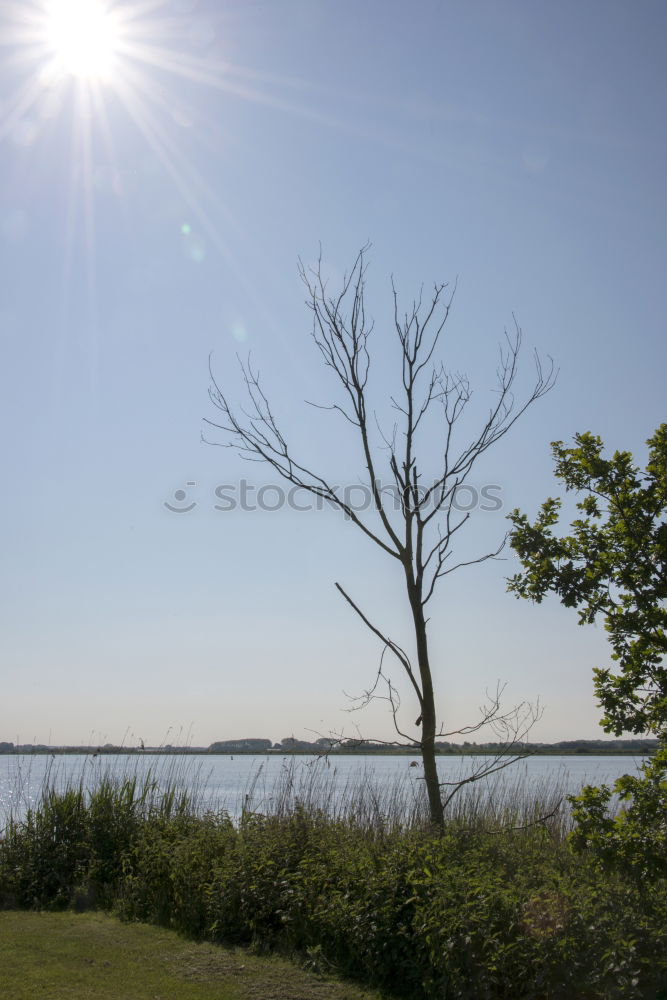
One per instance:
[(566, 748)]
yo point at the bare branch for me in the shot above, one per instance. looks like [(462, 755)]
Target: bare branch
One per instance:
[(260, 439), (539, 821), (392, 697), (400, 655), (420, 533)]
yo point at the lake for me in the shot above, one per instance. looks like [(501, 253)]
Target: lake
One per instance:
[(262, 782)]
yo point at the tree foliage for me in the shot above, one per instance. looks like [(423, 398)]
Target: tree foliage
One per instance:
[(635, 839), (611, 566)]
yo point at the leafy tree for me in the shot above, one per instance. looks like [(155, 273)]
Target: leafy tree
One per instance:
[(612, 565)]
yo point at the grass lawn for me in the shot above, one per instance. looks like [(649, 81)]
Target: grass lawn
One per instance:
[(68, 956)]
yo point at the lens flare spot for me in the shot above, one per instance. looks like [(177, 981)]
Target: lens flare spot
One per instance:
[(193, 245)]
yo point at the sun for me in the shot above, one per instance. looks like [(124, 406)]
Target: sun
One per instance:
[(82, 37), (107, 65)]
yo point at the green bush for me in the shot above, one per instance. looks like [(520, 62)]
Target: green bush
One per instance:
[(635, 840), (469, 915)]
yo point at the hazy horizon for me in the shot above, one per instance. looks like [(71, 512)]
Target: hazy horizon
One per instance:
[(277, 744)]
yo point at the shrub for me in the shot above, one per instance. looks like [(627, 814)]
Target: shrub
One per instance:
[(635, 840), (469, 915)]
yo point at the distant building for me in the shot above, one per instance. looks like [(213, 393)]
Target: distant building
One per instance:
[(240, 746)]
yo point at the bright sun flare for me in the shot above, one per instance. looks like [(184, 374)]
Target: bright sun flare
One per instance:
[(82, 57), (82, 36)]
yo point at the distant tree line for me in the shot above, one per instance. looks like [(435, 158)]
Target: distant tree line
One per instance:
[(325, 745)]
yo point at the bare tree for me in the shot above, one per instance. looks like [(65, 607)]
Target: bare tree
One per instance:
[(419, 534)]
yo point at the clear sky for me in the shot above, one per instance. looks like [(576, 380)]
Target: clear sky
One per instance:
[(163, 166)]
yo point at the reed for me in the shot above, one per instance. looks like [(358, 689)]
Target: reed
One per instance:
[(359, 799), (347, 873)]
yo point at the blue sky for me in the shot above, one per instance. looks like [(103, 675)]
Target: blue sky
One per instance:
[(158, 214)]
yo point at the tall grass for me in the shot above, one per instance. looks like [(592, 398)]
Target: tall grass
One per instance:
[(349, 874), (493, 804), (37, 777)]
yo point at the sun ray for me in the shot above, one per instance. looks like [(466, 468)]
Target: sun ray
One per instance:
[(93, 52), (218, 78), (196, 193), (101, 116), (181, 170), (21, 102)]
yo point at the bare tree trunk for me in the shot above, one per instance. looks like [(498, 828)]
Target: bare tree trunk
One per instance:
[(428, 711), (429, 723)]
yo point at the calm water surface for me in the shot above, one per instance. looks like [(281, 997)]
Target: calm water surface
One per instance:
[(229, 782)]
